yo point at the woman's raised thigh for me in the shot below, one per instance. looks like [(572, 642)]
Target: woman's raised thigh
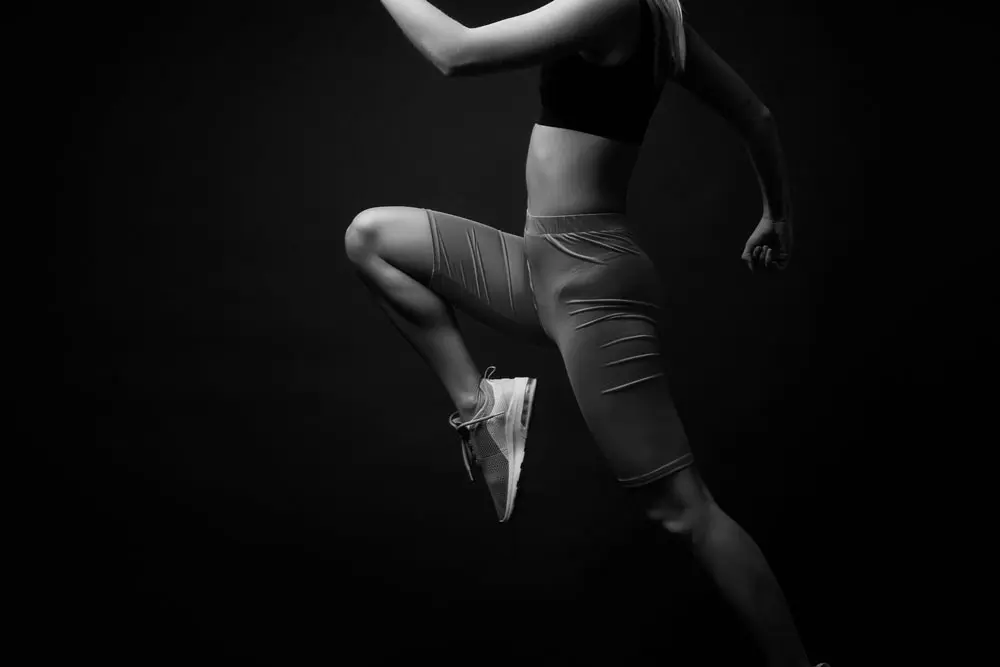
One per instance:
[(476, 268)]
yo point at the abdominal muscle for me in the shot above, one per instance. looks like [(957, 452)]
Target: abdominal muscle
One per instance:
[(570, 172)]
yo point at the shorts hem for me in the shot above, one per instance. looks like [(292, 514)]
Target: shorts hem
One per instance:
[(658, 473)]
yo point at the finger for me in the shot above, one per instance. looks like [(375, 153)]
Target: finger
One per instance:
[(747, 259), (769, 258)]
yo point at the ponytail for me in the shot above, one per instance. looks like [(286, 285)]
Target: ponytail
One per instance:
[(668, 38)]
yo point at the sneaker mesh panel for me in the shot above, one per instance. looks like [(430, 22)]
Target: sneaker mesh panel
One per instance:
[(495, 474), (489, 442)]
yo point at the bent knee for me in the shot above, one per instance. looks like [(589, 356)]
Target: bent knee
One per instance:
[(681, 504), (361, 239), (689, 522)]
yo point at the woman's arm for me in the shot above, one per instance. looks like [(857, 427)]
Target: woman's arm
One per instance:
[(717, 85), (561, 26)]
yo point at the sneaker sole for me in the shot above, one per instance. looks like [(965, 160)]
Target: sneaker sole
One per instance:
[(524, 390)]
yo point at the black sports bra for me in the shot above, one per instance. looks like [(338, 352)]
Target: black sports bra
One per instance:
[(611, 101)]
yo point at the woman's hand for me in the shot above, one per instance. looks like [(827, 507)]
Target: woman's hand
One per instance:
[(770, 245)]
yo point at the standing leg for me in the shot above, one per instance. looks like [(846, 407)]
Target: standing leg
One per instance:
[(597, 293), (683, 506)]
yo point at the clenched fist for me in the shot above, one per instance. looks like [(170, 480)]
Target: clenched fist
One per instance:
[(770, 245)]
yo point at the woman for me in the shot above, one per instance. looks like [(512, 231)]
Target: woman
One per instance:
[(577, 277)]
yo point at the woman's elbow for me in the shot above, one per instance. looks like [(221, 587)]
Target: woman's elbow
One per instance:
[(454, 65), (442, 62), (452, 57), (759, 122), (461, 69)]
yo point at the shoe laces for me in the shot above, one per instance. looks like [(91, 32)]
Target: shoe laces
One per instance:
[(465, 429)]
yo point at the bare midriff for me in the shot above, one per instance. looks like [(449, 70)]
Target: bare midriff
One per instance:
[(570, 172)]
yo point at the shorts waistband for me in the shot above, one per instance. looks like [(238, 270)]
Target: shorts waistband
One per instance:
[(575, 222)]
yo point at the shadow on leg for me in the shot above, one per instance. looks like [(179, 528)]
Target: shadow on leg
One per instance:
[(683, 505)]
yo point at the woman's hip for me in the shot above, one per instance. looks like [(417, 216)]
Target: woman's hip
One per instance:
[(587, 256)]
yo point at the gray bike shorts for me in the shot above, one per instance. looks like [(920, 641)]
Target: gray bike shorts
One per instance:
[(582, 282)]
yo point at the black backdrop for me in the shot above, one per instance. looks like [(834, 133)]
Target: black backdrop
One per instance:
[(247, 463)]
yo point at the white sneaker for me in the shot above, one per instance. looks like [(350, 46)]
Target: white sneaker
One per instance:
[(495, 436)]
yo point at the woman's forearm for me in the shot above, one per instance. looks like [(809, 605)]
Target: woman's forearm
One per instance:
[(435, 34), (768, 159)]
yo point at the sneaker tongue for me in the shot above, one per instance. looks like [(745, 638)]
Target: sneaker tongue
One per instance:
[(486, 400)]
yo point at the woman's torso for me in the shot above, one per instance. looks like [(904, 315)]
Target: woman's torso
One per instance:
[(568, 171)]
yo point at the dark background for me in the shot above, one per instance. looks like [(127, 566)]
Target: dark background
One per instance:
[(244, 461)]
